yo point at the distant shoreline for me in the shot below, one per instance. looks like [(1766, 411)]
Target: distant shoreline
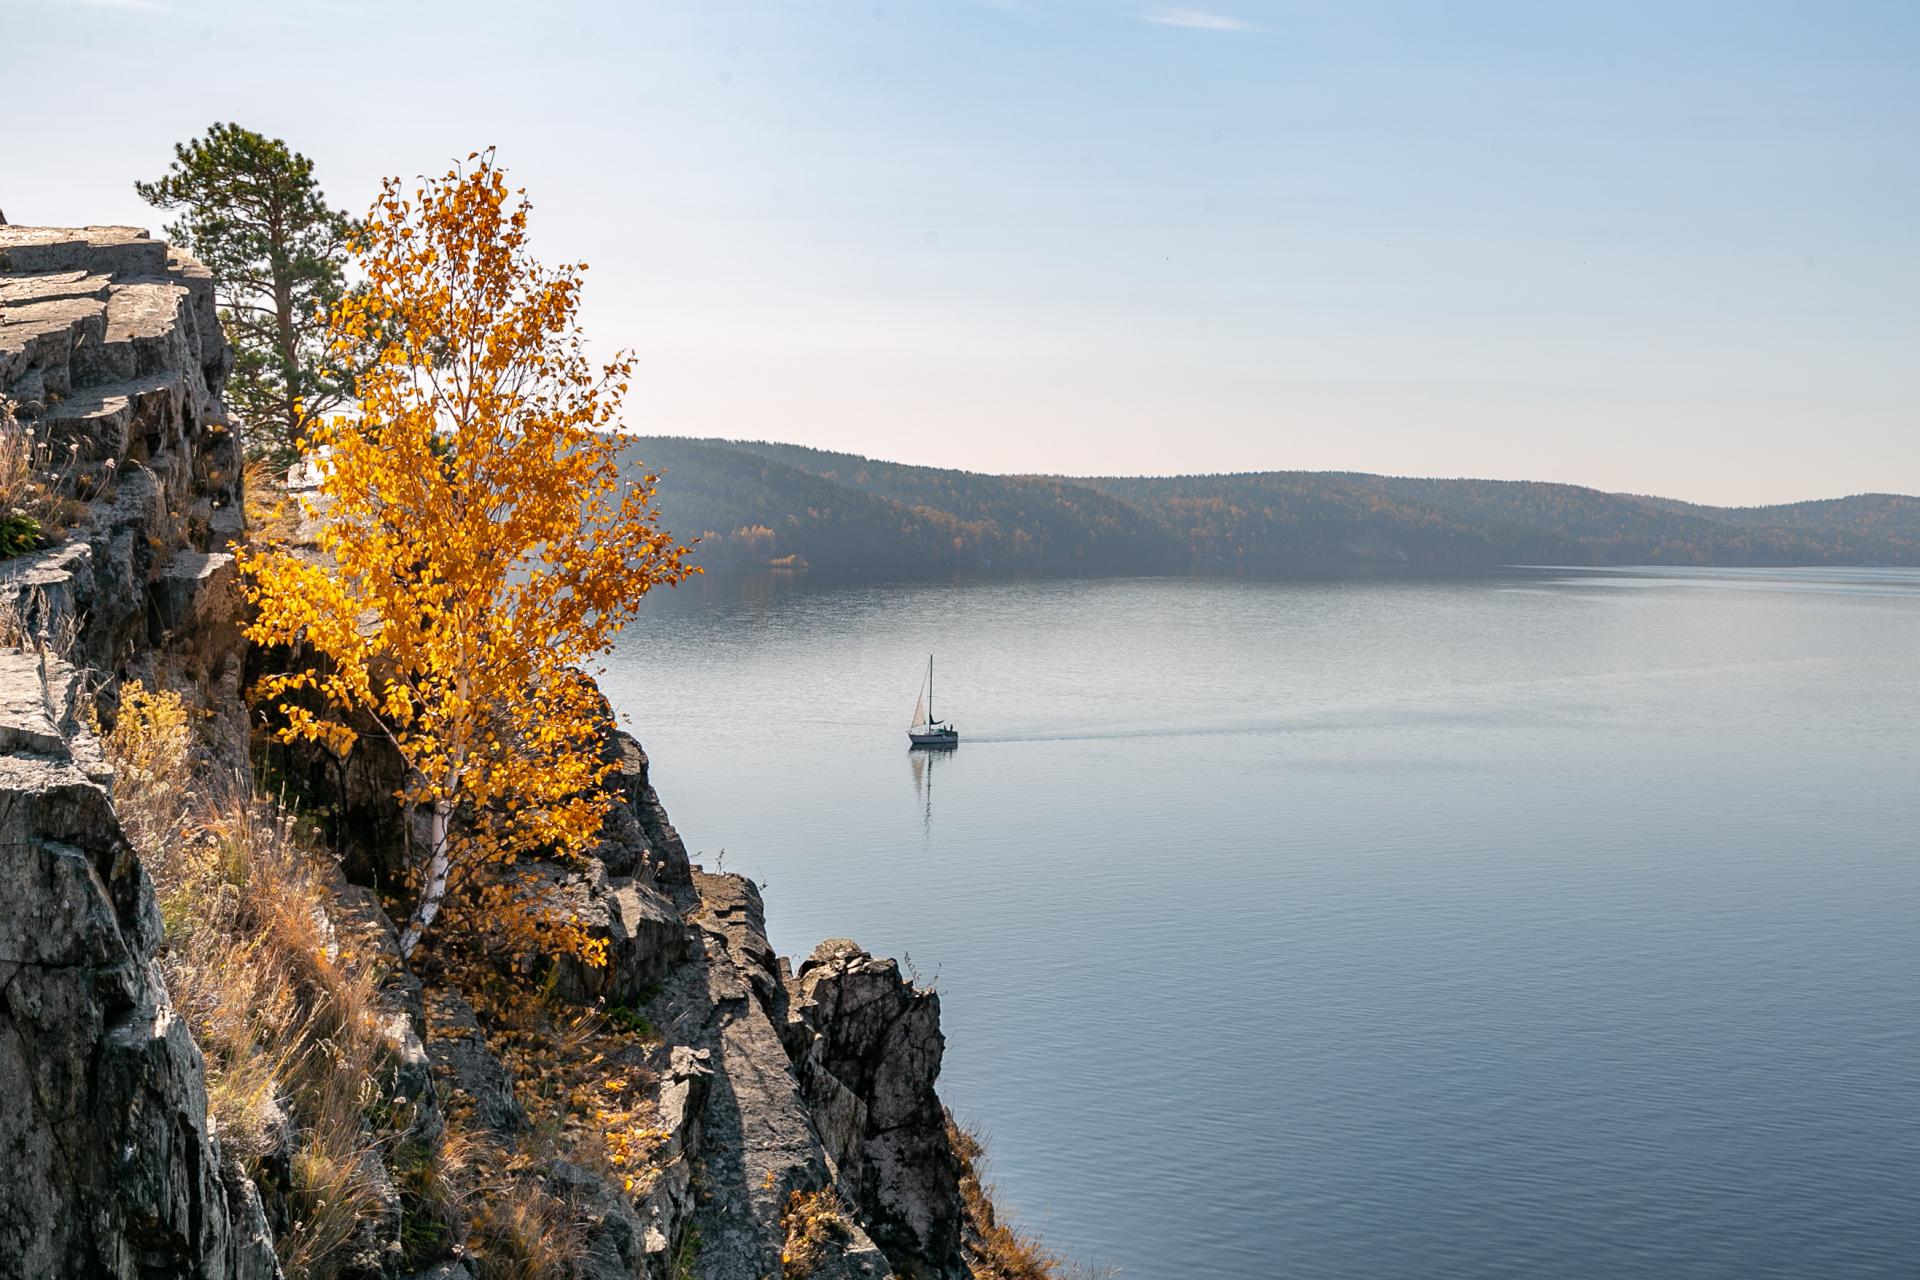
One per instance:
[(853, 576), (756, 505)]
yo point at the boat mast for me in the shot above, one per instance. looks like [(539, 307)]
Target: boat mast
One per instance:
[(931, 718)]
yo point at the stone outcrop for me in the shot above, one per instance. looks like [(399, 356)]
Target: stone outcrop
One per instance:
[(638, 838), (867, 1047), (112, 1167), (632, 894), (759, 1144), (111, 353), (642, 928)]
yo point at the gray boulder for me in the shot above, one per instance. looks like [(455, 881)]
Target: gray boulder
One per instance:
[(643, 932), (867, 1046)]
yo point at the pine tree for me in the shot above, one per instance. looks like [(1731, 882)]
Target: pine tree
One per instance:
[(254, 216)]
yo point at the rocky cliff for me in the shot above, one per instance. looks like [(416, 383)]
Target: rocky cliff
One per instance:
[(111, 352), (798, 1127)]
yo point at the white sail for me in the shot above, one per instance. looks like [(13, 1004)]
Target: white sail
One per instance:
[(923, 728)]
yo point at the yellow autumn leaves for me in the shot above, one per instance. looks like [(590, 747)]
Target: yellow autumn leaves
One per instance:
[(480, 536)]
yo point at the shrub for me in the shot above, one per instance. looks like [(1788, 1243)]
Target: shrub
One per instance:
[(19, 533)]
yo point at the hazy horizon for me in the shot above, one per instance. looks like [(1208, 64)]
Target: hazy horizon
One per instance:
[(1242, 471), (1657, 249)]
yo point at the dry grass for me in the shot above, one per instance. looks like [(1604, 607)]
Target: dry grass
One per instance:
[(817, 1226), (530, 1234), (288, 1020), (273, 514), (471, 1194), (17, 450), (36, 479), (996, 1250), (29, 622), (289, 1017)]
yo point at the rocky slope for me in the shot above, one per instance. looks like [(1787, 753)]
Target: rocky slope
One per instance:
[(771, 1086)]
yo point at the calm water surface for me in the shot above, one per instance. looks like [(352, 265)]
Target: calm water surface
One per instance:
[(1560, 925)]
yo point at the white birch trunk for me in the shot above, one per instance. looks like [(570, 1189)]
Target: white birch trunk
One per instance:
[(434, 890)]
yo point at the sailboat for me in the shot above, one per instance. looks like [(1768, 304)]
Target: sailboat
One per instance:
[(925, 731)]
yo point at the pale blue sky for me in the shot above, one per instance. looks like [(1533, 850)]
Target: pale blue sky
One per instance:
[(1668, 248)]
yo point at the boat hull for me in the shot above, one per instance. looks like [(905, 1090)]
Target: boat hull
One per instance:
[(943, 740)]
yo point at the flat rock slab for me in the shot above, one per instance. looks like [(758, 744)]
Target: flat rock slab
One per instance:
[(115, 250), (26, 719), (26, 323), (758, 1141), (18, 291)]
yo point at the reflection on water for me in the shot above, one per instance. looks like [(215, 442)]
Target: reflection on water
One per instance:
[(1557, 924), (924, 762)]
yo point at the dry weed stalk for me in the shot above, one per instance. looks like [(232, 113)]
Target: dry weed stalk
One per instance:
[(37, 479)]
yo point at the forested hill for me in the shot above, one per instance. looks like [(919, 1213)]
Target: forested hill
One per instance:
[(757, 504)]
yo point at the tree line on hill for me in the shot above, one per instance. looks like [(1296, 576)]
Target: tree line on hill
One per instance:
[(755, 504)]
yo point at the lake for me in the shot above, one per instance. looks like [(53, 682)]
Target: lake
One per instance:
[(1546, 924)]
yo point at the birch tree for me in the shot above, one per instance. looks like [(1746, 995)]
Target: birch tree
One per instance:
[(481, 536)]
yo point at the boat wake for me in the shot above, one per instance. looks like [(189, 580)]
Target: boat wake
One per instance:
[(1552, 700), (1332, 722)]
